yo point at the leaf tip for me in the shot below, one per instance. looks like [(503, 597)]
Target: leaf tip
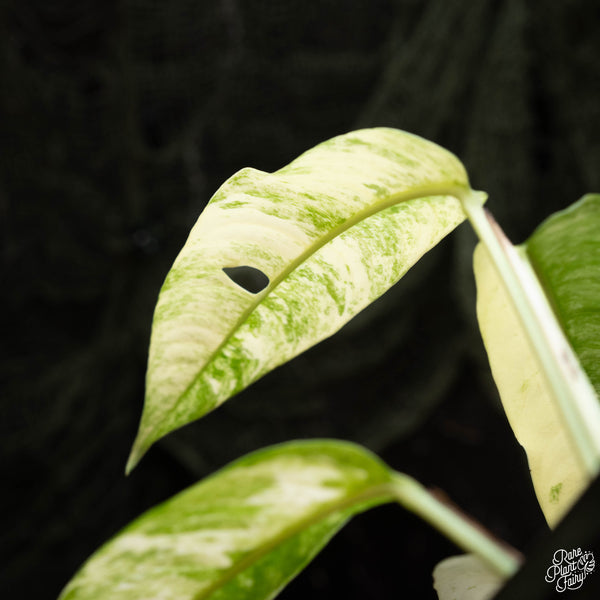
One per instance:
[(139, 449)]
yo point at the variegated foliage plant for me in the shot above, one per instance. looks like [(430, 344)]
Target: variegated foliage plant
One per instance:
[(327, 235)]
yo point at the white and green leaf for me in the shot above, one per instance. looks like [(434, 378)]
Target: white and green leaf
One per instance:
[(246, 531), (242, 533), (545, 361), (332, 231)]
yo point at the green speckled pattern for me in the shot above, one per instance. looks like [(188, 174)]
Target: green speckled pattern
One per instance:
[(241, 534), (333, 230)]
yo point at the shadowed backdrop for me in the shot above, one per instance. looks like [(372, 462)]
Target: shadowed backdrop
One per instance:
[(120, 119)]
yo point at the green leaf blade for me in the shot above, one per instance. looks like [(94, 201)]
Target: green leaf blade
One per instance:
[(332, 231), (269, 575), (242, 533), (565, 253)]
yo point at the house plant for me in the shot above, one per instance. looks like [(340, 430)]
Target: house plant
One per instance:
[(320, 239)]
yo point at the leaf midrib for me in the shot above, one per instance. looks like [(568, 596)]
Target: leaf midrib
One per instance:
[(385, 492), (424, 192)]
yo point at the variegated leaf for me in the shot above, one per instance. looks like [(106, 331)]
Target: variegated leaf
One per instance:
[(332, 231), (241, 534), (246, 531), (565, 253)]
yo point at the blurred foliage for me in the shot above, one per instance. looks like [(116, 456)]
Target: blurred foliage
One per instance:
[(119, 119)]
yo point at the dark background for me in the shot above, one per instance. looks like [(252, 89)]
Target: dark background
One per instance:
[(119, 120)]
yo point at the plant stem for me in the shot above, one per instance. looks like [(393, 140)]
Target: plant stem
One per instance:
[(573, 393), (458, 528)]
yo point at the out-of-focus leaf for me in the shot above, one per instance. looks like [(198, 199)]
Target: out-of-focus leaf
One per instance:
[(465, 577), (565, 252), (244, 532), (331, 231)]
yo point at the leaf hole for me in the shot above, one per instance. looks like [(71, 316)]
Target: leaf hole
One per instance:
[(251, 279)]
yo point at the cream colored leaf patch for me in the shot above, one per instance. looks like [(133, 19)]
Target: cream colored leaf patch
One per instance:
[(465, 577), (330, 233), (558, 475)]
